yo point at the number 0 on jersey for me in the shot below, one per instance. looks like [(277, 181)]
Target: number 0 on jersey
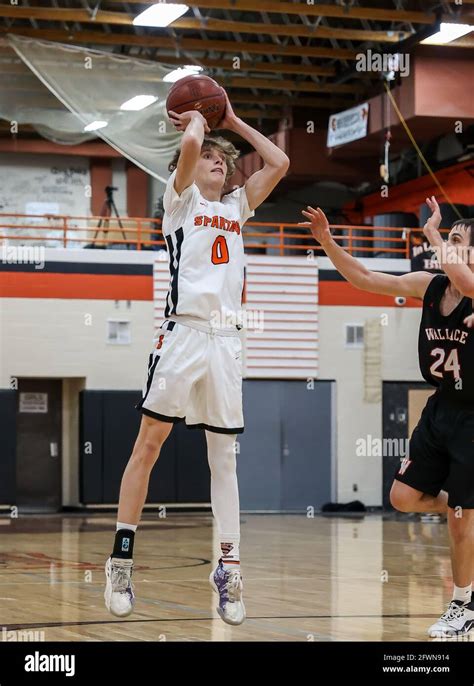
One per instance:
[(220, 251)]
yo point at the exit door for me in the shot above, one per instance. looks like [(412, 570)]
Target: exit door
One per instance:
[(39, 427)]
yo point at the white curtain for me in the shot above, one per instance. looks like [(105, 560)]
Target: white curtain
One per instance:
[(78, 86)]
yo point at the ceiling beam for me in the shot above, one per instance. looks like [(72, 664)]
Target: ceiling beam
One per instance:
[(314, 10), (259, 114), (184, 44), (223, 25), (33, 91), (193, 24), (61, 14), (269, 84), (92, 149), (228, 65), (254, 66), (40, 101), (324, 103), (291, 85), (14, 77), (405, 46)]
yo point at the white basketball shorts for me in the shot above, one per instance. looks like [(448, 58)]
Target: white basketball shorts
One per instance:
[(195, 375)]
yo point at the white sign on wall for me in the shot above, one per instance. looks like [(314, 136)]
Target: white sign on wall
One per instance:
[(43, 184), (348, 126), (34, 403)]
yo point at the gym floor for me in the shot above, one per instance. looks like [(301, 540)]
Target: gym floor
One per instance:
[(327, 578)]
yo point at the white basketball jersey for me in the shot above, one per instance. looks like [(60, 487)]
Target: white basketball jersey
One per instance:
[(206, 252)]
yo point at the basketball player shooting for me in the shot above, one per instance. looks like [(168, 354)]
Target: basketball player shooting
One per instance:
[(194, 370), (441, 447)]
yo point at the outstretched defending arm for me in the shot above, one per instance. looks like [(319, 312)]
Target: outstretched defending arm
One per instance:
[(413, 284)]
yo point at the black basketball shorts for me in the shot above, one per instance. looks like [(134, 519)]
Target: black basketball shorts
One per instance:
[(441, 452)]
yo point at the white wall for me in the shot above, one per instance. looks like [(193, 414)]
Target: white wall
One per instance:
[(53, 338), (67, 338)]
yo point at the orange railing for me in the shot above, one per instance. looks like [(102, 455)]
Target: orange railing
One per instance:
[(140, 233)]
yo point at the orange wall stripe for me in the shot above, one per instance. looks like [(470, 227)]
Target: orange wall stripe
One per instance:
[(75, 286), (116, 287)]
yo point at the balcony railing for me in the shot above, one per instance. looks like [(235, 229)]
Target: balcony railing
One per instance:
[(138, 233)]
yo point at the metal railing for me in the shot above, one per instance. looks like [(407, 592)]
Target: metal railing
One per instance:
[(140, 233)]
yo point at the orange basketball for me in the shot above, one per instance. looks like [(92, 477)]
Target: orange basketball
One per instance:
[(198, 93)]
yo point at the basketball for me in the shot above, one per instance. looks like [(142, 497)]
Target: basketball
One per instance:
[(198, 93)]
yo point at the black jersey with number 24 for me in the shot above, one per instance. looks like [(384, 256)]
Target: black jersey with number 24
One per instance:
[(446, 345)]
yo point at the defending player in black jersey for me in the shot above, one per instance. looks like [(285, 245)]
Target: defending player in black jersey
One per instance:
[(441, 454)]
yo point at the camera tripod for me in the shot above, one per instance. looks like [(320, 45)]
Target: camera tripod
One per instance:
[(106, 213)]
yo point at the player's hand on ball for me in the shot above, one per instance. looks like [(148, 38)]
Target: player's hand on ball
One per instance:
[(230, 118), (431, 227), (181, 121), (318, 224)]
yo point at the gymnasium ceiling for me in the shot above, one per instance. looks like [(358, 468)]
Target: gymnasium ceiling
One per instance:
[(293, 55)]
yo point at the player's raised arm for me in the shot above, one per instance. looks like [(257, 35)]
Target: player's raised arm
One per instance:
[(276, 163), (194, 126), (413, 284)]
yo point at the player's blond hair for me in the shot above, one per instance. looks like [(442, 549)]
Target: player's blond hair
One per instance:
[(214, 143)]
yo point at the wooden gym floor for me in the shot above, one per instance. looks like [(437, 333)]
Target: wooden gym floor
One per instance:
[(320, 579)]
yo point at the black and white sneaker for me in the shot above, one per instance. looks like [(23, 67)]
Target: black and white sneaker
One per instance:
[(458, 620)]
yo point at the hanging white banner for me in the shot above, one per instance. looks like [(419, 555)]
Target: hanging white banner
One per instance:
[(348, 126)]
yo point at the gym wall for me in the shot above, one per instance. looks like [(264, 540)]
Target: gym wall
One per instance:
[(54, 325)]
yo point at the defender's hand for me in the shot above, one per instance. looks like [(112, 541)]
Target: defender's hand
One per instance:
[(431, 227), (318, 224)]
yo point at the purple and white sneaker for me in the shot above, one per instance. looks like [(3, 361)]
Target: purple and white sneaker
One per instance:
[(228, 584)]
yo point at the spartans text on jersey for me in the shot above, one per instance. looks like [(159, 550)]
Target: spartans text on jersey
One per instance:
[(217, 222)]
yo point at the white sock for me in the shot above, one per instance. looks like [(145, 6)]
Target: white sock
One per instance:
[(462, 594), (225, 493), (131, 527), (230, 554)]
